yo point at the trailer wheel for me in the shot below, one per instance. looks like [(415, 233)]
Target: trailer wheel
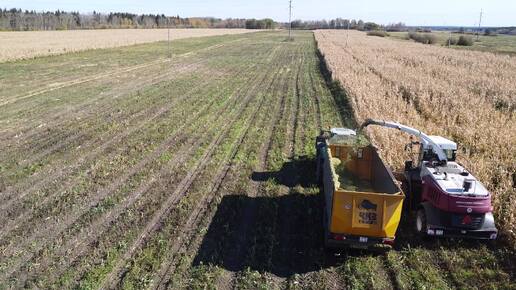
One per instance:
[(325, 228), (421, 222), (409, 193), (317, 167)]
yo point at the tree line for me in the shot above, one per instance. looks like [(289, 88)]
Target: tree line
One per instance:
[(266, 23), (340, 23), (19, 20)]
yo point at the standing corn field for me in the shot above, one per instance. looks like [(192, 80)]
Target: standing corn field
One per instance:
[(468, 96)]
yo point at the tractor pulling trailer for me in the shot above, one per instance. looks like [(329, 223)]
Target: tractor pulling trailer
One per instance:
[(449, 201)]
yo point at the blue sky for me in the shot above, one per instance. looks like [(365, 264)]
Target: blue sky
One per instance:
[(412, 12)]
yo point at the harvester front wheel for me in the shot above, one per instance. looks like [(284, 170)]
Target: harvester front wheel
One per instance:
[(421, 225)]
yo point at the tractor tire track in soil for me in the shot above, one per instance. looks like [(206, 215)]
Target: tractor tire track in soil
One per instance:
[(190, 244), (102, 194), (284, 225), (188, 236), (185, 233), (391, 273), (290, 247), (317, 102), (116, 273)]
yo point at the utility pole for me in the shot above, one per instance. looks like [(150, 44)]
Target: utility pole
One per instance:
[(168, 38), (290, 19), (347, 33), (479, 24)]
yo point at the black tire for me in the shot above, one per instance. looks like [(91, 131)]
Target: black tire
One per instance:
[(421, 225), (318, 168), (319, 173), (409, 195), (325, 228)]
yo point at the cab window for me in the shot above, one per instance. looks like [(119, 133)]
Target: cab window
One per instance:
[(451, 155)]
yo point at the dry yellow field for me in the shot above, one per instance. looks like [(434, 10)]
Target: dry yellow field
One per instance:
[(464, 95), (28, 44)]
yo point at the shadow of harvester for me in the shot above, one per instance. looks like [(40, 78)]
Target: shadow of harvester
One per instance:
[(283, 244), (296, 172), (278, 234)]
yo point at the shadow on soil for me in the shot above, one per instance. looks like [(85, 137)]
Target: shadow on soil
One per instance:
[(288, 175), (282, 252), (277, 234)]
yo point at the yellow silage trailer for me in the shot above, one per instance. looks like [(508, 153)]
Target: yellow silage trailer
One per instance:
[(363, 203)]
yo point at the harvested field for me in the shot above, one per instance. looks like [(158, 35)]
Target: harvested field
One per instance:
[(28, 44), (195, 172), (465, 95)]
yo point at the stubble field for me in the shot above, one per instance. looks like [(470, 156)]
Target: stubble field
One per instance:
[(28, 44), (121, 168)]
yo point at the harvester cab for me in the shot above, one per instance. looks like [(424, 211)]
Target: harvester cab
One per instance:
[(449, 200)]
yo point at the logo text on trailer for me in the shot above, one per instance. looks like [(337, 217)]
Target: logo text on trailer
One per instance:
[(367, 212)]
